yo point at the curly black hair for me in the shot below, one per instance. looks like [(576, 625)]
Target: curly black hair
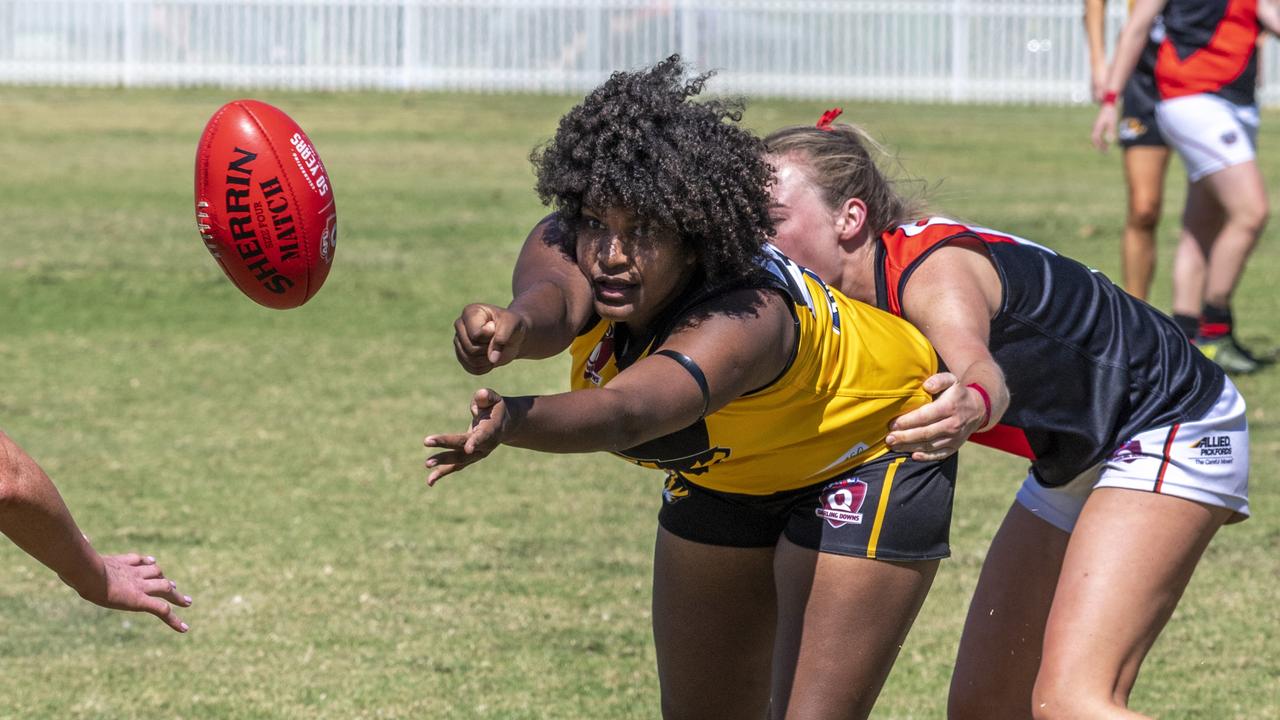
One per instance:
[(638, 142)]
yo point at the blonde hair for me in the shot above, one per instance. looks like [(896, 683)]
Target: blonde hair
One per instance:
[(841, 159)]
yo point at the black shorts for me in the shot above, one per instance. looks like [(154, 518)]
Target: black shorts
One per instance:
[(1138, 126), (891, 508)]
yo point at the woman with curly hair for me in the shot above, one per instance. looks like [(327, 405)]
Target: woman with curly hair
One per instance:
[(794, 549)]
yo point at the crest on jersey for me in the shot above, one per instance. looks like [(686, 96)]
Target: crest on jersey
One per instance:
[(1127, 452), (842, 502), (1229, 137), (599, 358)]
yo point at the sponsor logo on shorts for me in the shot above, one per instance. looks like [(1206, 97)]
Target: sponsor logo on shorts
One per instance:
[(675, 490), (842, 502), (1131, 129), (1127, 452), (1229, 137), (1213, 450)]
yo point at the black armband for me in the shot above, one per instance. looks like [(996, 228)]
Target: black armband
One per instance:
[(688, 364)]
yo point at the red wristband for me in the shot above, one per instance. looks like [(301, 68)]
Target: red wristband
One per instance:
[(1109, 98), (986, 403)]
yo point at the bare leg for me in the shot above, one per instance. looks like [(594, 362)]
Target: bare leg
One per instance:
[(1202, 220), (1001, 644), (713, 624), (841, 622), (1144, 170), (1130, 558), (1240, 191)]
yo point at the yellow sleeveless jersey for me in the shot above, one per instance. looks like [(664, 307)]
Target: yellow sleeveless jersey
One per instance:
[(855, 369)]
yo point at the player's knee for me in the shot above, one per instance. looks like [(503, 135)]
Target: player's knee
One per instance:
[(1144, 213), (1062, 696), (1252, 217)]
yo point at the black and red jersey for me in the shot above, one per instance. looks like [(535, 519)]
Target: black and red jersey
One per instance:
[(1087, 365), (1210, 46)]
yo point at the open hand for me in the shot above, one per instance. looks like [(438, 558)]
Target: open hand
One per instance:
[(488, 420), (136, 583)]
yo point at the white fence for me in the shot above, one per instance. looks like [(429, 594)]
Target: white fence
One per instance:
[(933, 50)]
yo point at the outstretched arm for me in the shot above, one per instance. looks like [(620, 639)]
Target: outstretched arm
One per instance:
[(1133, 37), (551, 300), (654, 397), (951, 298), (34, 517)]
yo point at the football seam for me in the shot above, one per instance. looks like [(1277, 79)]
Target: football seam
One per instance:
[(202, 159), (284, 177)]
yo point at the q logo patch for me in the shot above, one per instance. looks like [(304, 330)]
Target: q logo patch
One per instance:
[(842, 502)]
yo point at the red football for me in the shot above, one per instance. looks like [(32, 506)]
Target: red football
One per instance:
[(264, 204)]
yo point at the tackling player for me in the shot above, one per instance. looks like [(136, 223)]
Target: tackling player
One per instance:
[(1139, 444)]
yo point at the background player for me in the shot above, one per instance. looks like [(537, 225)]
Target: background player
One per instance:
[(1146, 156), (1206, 71)]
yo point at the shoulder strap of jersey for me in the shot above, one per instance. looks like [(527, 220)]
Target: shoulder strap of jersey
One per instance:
[(901, 250)]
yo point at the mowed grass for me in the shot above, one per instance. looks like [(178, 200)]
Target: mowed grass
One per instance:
[(272, 460)]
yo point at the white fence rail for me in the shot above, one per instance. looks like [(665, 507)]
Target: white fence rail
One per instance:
[(932, 50)]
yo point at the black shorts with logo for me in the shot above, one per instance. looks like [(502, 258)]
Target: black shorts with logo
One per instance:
[(1138, 126), (891, 508)]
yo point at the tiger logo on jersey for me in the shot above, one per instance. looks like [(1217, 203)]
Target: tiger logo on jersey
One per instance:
[(674, 490), (682, 467), (842, 502)]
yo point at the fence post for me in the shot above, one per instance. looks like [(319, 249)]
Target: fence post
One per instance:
[(128, 50), (687, 16), (410, 37), (959, 50)]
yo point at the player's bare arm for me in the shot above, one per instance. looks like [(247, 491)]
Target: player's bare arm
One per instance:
[(740, 342), (1269, 15), (951, 298), (1095, 17), (1133, 37), (551, 301), (34, 517)]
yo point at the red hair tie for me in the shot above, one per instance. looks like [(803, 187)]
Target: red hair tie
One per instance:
[(824, 122)]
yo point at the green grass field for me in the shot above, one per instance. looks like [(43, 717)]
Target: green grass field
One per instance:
[(272, 460)]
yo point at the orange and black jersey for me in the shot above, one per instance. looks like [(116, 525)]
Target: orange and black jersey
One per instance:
[(1210, 46), (853, 370), (1087, 365)]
